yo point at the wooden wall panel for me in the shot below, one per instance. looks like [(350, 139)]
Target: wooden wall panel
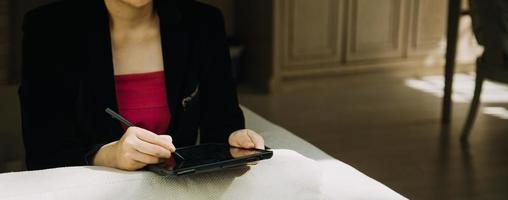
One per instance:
[(375, 29), (427, 26), (311, 32)]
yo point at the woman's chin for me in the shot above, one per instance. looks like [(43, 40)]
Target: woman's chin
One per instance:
[(137, 3)]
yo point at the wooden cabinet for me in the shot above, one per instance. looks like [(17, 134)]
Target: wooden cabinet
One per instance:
[(375, 29), (427, 25), (307, 42), (288, 40)]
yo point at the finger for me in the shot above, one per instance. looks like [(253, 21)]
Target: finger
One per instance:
[(133, 165), (236, 153), (239, 152), (151, 149), (168, 139), (145, 158), (241, 139), (153, 138), (233, 139), (258, 141)]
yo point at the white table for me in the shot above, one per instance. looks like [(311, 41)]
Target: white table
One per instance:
[(304, 172)]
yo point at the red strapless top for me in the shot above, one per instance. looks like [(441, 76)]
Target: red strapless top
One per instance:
[(142, 100)]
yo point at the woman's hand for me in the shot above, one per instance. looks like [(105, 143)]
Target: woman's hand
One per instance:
[(246, 138), (137, 148)]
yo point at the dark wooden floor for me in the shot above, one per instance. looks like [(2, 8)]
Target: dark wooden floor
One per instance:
[(392, 133)]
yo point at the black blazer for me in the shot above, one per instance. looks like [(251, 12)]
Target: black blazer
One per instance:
[(68, 81)]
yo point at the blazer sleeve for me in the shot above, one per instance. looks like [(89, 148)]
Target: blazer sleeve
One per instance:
[(47, 94), (220, 112)]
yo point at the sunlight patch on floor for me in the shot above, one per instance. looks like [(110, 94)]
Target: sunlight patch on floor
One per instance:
[(499, 112), (463, 89)]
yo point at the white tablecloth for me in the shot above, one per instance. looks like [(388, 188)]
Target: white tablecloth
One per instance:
[(288, 175)]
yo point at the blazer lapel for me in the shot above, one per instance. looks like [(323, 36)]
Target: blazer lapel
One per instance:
[(101, 72), (175, 50)]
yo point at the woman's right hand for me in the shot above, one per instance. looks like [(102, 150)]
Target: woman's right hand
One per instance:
[(137, 148)]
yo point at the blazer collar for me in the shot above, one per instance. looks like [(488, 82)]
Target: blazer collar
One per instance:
[(175, 50)]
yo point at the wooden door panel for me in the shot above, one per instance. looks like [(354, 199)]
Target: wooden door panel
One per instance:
[(375, 29), (311, 32)]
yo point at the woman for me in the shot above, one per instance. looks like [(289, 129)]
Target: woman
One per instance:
[(163, 65)]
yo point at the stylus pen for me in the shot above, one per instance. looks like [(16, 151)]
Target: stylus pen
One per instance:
[(129, 124)]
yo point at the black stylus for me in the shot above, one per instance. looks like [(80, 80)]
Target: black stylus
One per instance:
[(129, 124)]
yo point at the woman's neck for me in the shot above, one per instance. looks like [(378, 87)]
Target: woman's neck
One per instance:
[(127, 17)]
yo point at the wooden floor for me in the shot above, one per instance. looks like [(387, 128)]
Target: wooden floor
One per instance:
[(392, 133)]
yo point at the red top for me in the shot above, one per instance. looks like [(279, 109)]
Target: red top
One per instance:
[(142, 100)]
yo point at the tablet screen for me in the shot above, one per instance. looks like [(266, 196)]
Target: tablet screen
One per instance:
[(201, 155)]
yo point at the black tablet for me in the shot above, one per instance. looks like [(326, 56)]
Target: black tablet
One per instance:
[(207, 157)]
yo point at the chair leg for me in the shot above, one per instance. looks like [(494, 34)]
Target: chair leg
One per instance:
[(451, 48), (473, 110), (447, 97)]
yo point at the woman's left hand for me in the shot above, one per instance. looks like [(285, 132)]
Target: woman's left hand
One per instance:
[(246, 138)]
